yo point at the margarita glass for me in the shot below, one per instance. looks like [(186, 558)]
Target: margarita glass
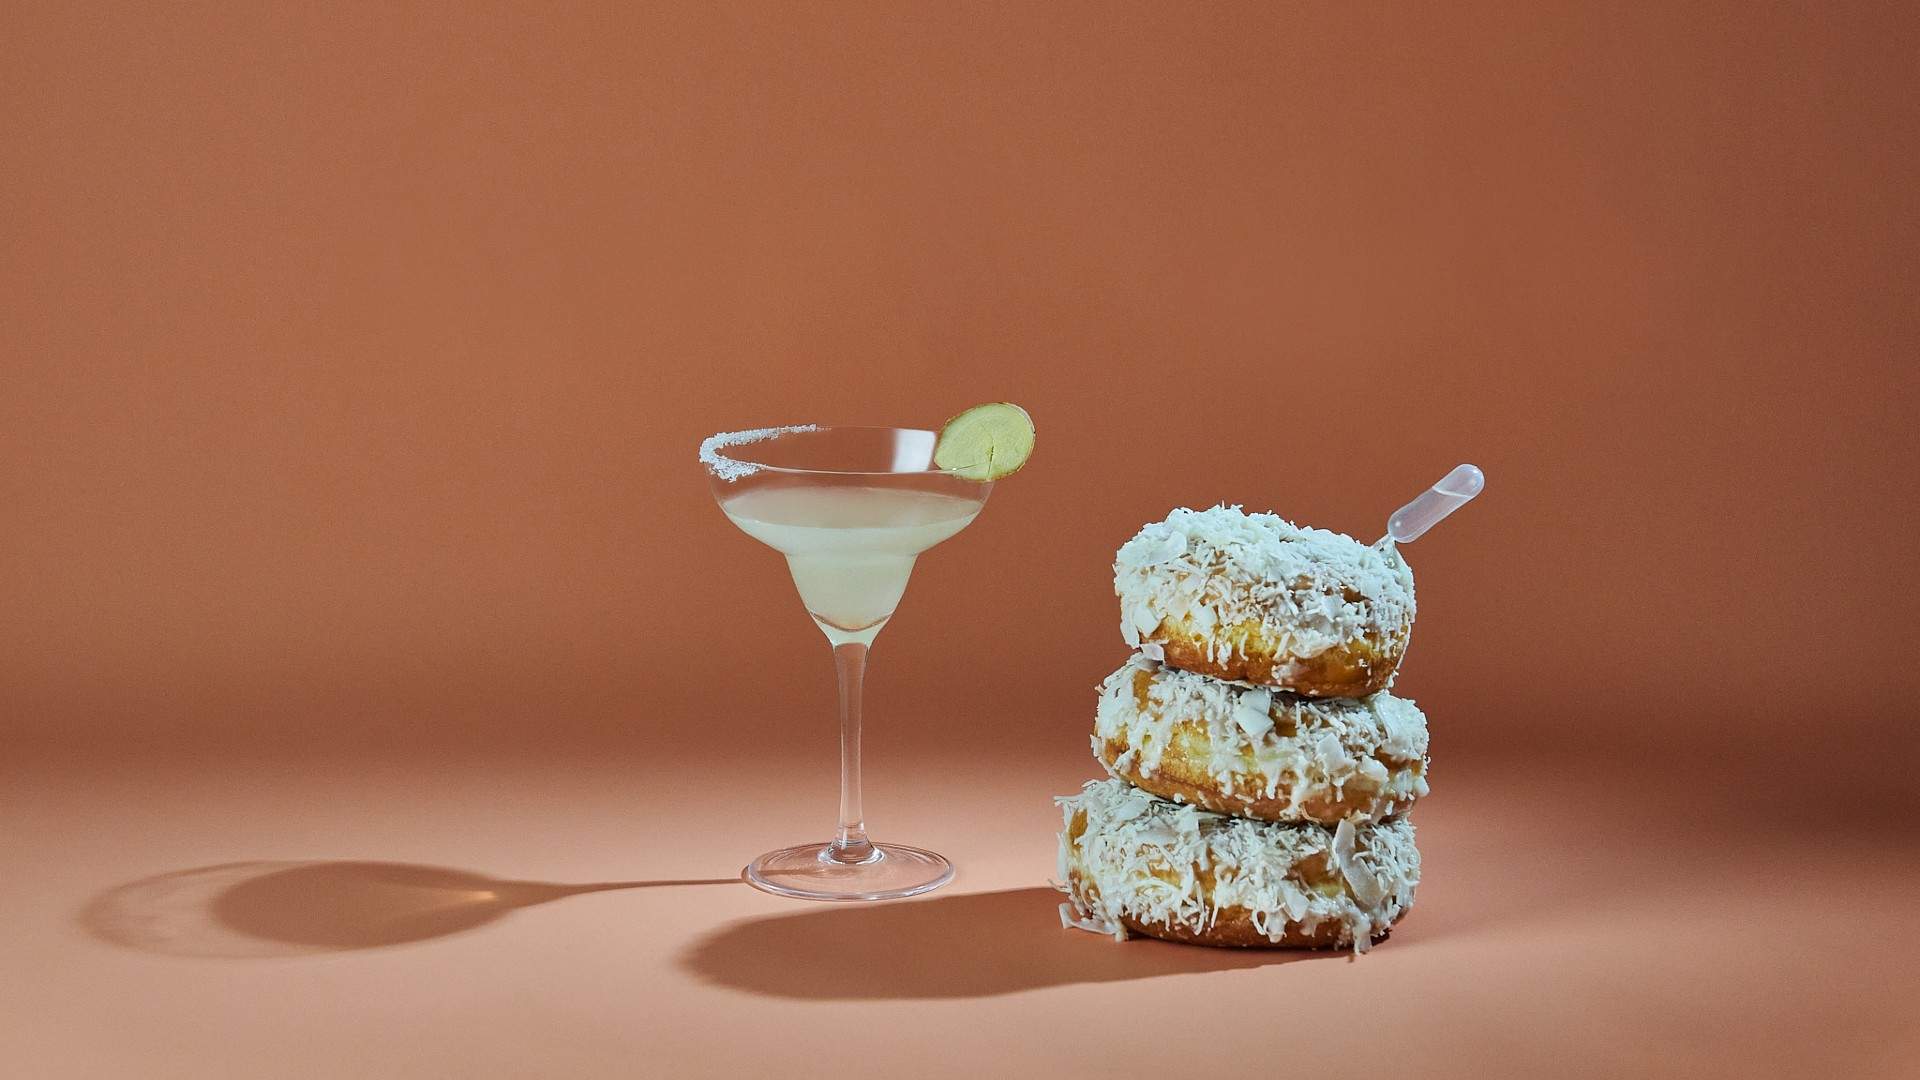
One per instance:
[(851, 508)]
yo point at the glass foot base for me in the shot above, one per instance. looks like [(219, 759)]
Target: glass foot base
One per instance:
[(809, 872)]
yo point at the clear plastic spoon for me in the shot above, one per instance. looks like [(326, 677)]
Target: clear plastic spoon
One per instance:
[(1454, 491)]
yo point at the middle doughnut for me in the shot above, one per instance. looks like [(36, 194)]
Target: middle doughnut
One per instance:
[(1257, 753)]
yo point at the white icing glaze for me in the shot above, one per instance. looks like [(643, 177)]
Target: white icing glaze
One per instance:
[(1223, 566), (1379, 741), (730, 469), (1130, 835)]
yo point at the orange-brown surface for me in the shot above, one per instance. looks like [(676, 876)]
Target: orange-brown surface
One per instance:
[(542, 915), (352, 360)]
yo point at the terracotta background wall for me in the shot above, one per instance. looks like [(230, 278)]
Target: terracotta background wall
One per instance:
[(354, 361)]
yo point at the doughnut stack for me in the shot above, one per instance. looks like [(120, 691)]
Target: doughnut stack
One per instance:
[(1260, 768)]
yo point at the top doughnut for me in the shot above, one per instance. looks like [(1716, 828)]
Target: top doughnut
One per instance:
[(1257, 599)]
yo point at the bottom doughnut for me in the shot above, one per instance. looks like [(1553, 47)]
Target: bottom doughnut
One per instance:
[(1132, 862)]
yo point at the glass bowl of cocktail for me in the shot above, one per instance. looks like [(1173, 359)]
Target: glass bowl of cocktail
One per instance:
[(852, 508)]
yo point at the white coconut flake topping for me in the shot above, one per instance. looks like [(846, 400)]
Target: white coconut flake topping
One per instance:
[(1360, 878), (730, 469), (1254, 712), (1223, 566), (1263, 744), (1122, 863)]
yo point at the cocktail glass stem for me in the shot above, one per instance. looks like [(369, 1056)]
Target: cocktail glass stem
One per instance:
[(850, 843)]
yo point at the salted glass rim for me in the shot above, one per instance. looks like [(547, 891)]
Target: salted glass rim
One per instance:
[(723, 446)]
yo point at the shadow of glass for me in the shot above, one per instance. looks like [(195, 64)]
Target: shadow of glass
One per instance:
[(954, 946), (258, 909)]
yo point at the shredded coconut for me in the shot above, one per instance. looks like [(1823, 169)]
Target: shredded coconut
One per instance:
[(1263, 745), (1165, 864), (729, 469), (1310, 589)]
